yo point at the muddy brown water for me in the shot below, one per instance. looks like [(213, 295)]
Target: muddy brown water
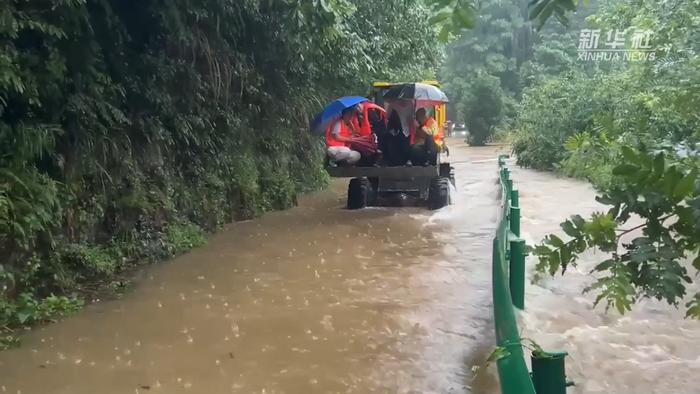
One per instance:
[(319, 299), (651, 350)]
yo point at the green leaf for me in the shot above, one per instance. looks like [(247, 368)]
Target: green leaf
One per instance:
[(555, 241), (23, 316), (647, 160), (542, 250), (440, 17), (579, 221), (630, 154), (444, 35), (625, 170), (538, 10), (622, 304), (659, 164), (642, 177), (570, 229), (604, 266), (554, 262), (565, 256), (614, 212), (568, 4), (670, 180), (498, 353), (685, 186), (693, 307), (605, 200), (464, 16)]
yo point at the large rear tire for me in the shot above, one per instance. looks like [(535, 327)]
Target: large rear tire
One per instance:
[(359, 191), (447, 171), (439, 193)]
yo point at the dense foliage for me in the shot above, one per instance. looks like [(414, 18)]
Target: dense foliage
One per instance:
[(632, 128), (495, 48), (504, 45), (129, 127), (483, 109)]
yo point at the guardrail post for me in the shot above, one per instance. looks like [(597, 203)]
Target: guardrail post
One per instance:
[(549, 372), (509, 186), (517, 273), (514, 198), (515, 220)]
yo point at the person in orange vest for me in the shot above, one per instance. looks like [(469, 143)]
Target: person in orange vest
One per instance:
[(424, 139), (366, 121), (361, 120), (368, 117), (338, 137)]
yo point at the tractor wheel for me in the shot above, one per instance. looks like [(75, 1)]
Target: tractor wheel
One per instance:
[(439, 193), (359, 190), (447, 171)]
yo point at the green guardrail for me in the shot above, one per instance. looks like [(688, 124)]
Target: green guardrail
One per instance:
[(548, 376)]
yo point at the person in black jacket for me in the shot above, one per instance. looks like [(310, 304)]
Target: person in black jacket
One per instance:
[(395, 144)]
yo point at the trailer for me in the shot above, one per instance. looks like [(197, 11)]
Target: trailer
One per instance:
[(390, 186)]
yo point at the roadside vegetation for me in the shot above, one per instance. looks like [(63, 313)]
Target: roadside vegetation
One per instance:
[(631, 128), (490, 68), (129, 129)]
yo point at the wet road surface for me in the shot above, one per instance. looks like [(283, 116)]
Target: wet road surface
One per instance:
[(316, 299), (319, 299)]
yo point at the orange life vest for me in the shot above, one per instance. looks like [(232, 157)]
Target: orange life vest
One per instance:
[(438, 137), (344, 132), (366, 128), (361, 126)]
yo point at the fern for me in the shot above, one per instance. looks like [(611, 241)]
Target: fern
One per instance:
[(577, 141)]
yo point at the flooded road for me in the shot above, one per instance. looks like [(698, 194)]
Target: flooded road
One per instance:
[(316, 299), (319, 299)]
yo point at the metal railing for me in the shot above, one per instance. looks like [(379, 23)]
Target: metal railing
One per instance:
[(548, 375), (509, 289)]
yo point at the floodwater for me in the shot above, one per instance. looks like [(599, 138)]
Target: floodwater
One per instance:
[(651, 350), (318, 299)]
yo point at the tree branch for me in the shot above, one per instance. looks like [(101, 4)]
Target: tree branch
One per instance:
[(623, 232)]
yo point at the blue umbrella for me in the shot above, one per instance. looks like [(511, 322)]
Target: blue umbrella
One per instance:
[(333, 111)]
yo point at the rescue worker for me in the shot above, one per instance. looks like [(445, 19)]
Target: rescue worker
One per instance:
[(368, 115), (424, 139), (338, 137), (395, 143), (361, 120), (369, 120)]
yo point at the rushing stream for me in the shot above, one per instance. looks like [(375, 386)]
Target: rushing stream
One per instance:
[(319, 299), (651, 350)]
